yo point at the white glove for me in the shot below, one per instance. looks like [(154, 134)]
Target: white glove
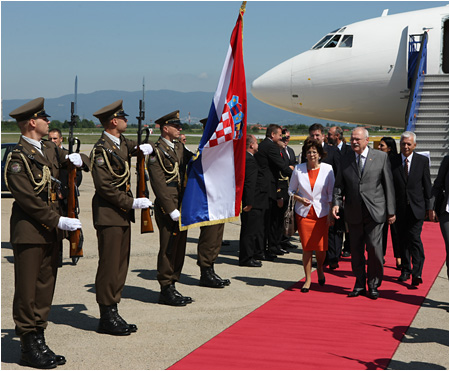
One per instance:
[(146, 149), (69, 224), (142, 203), (175, 215), (75, 159)]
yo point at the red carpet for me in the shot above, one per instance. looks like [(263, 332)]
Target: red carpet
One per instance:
[(324, 329)]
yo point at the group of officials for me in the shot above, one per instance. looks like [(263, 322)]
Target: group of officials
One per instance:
[(33, 173)]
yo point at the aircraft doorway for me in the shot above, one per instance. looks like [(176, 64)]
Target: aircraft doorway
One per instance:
[(445, 48)]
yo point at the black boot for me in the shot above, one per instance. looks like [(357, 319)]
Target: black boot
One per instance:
[(169, 297), (40, 339), (109, 324), (119, 319), (187, 299), (208, 279), (31, 355), (225, 281)]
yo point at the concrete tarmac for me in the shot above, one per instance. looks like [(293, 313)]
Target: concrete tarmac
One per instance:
[(167, 334)]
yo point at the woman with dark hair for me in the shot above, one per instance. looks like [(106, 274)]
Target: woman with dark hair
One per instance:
[(312, 185), (388, 145)]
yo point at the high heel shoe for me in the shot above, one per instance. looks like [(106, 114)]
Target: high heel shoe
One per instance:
[(304, 289), (322, 281)]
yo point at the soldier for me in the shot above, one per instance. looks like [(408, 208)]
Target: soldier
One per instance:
[(208, 249), (113, 209), (32, 170), (167, 167)]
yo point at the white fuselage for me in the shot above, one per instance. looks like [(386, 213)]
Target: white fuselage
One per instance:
[(365, 83)]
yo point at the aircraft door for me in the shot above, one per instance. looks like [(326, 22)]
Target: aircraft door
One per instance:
[(445, 46)]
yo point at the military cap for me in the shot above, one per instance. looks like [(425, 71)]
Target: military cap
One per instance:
[(110, 111), (31, 109), (204, 121), (172, 118)]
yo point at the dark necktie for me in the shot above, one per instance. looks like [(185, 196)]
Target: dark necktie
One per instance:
[(406, 168), (360, 164)]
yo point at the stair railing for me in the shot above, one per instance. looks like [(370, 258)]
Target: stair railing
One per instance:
[(416, 79)]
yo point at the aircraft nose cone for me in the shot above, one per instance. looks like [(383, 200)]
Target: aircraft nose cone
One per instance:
[(274, 87)]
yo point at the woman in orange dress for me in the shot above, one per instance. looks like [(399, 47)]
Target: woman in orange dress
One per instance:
[(312, 185)]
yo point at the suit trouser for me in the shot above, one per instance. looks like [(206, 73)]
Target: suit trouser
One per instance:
[(113, 261), (272, 235), (335, 238), (251, 239), (443, 223), (367, 235), (35, 270), (394, 239), (209, 244), (172, 248), (411, 247)]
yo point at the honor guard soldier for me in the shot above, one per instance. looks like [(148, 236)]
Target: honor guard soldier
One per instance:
[(32, 171), (167, 167), (208, 249), (112, 210)]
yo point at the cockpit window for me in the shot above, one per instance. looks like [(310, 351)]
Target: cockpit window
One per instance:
[(322, 42), (333, 42), (342, 29), (347, 41)]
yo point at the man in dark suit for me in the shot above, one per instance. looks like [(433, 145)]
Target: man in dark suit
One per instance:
[(439, 200), (365, 181), (270, 164), (411, 173), (333, 157), (336, 138), (254, 202)]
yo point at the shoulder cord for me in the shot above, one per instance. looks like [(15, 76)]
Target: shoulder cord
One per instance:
[(283, 177), (174, 172), (38, 186), (125, 175)]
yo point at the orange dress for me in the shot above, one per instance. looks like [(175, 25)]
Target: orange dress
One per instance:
[(313, 231)]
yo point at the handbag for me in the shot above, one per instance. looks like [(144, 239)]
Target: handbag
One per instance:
[(289, 218)]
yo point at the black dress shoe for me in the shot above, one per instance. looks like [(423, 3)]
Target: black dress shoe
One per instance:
[(276, 250), (31, 354), (266, 256), (404, 277), (356, 293), (110, 324), (207, 279), (251, 263), (333, 266), (322, 281), (288, 245), (187, 299), (373, 293), (167, 296), (416, 281), (40, 340), (304, 289), (346, 254)]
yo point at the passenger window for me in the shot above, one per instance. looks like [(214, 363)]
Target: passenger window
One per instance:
[(333, 42), (322, 42), (347, 41)]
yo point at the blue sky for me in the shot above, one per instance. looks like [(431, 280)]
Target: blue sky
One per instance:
[(174, 45)]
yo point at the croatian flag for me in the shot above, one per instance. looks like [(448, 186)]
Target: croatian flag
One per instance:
[(215, 176)]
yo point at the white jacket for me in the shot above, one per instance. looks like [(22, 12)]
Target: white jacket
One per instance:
[(323, 189)]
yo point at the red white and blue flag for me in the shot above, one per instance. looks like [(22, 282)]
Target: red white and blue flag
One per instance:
[(215, 176)]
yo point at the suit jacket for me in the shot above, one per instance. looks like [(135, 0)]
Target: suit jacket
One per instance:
[(375, 188), (35, 216), (251, 176), (282, 180), (320, 196), (111, 205), (414, 190), (439, 192), (270, 164), (333, 157), (292, 158), (345, 148)]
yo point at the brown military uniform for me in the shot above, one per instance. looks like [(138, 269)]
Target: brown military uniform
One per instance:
[(112, 213), (34, 233), (209, 244), (167, 169)]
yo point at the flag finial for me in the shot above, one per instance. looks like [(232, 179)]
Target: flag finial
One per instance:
[(243, 5)]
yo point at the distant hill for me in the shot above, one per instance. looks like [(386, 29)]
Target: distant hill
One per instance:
[(157, 104)]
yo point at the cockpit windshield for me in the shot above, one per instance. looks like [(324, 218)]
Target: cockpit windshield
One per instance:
[(335, 39)]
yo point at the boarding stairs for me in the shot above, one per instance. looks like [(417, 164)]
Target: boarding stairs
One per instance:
[(428, 105)]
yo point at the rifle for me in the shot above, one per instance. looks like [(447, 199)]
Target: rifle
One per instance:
[(142, 189), (75, 237)]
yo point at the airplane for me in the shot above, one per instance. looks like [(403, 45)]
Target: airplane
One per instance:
[(358, 73)]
